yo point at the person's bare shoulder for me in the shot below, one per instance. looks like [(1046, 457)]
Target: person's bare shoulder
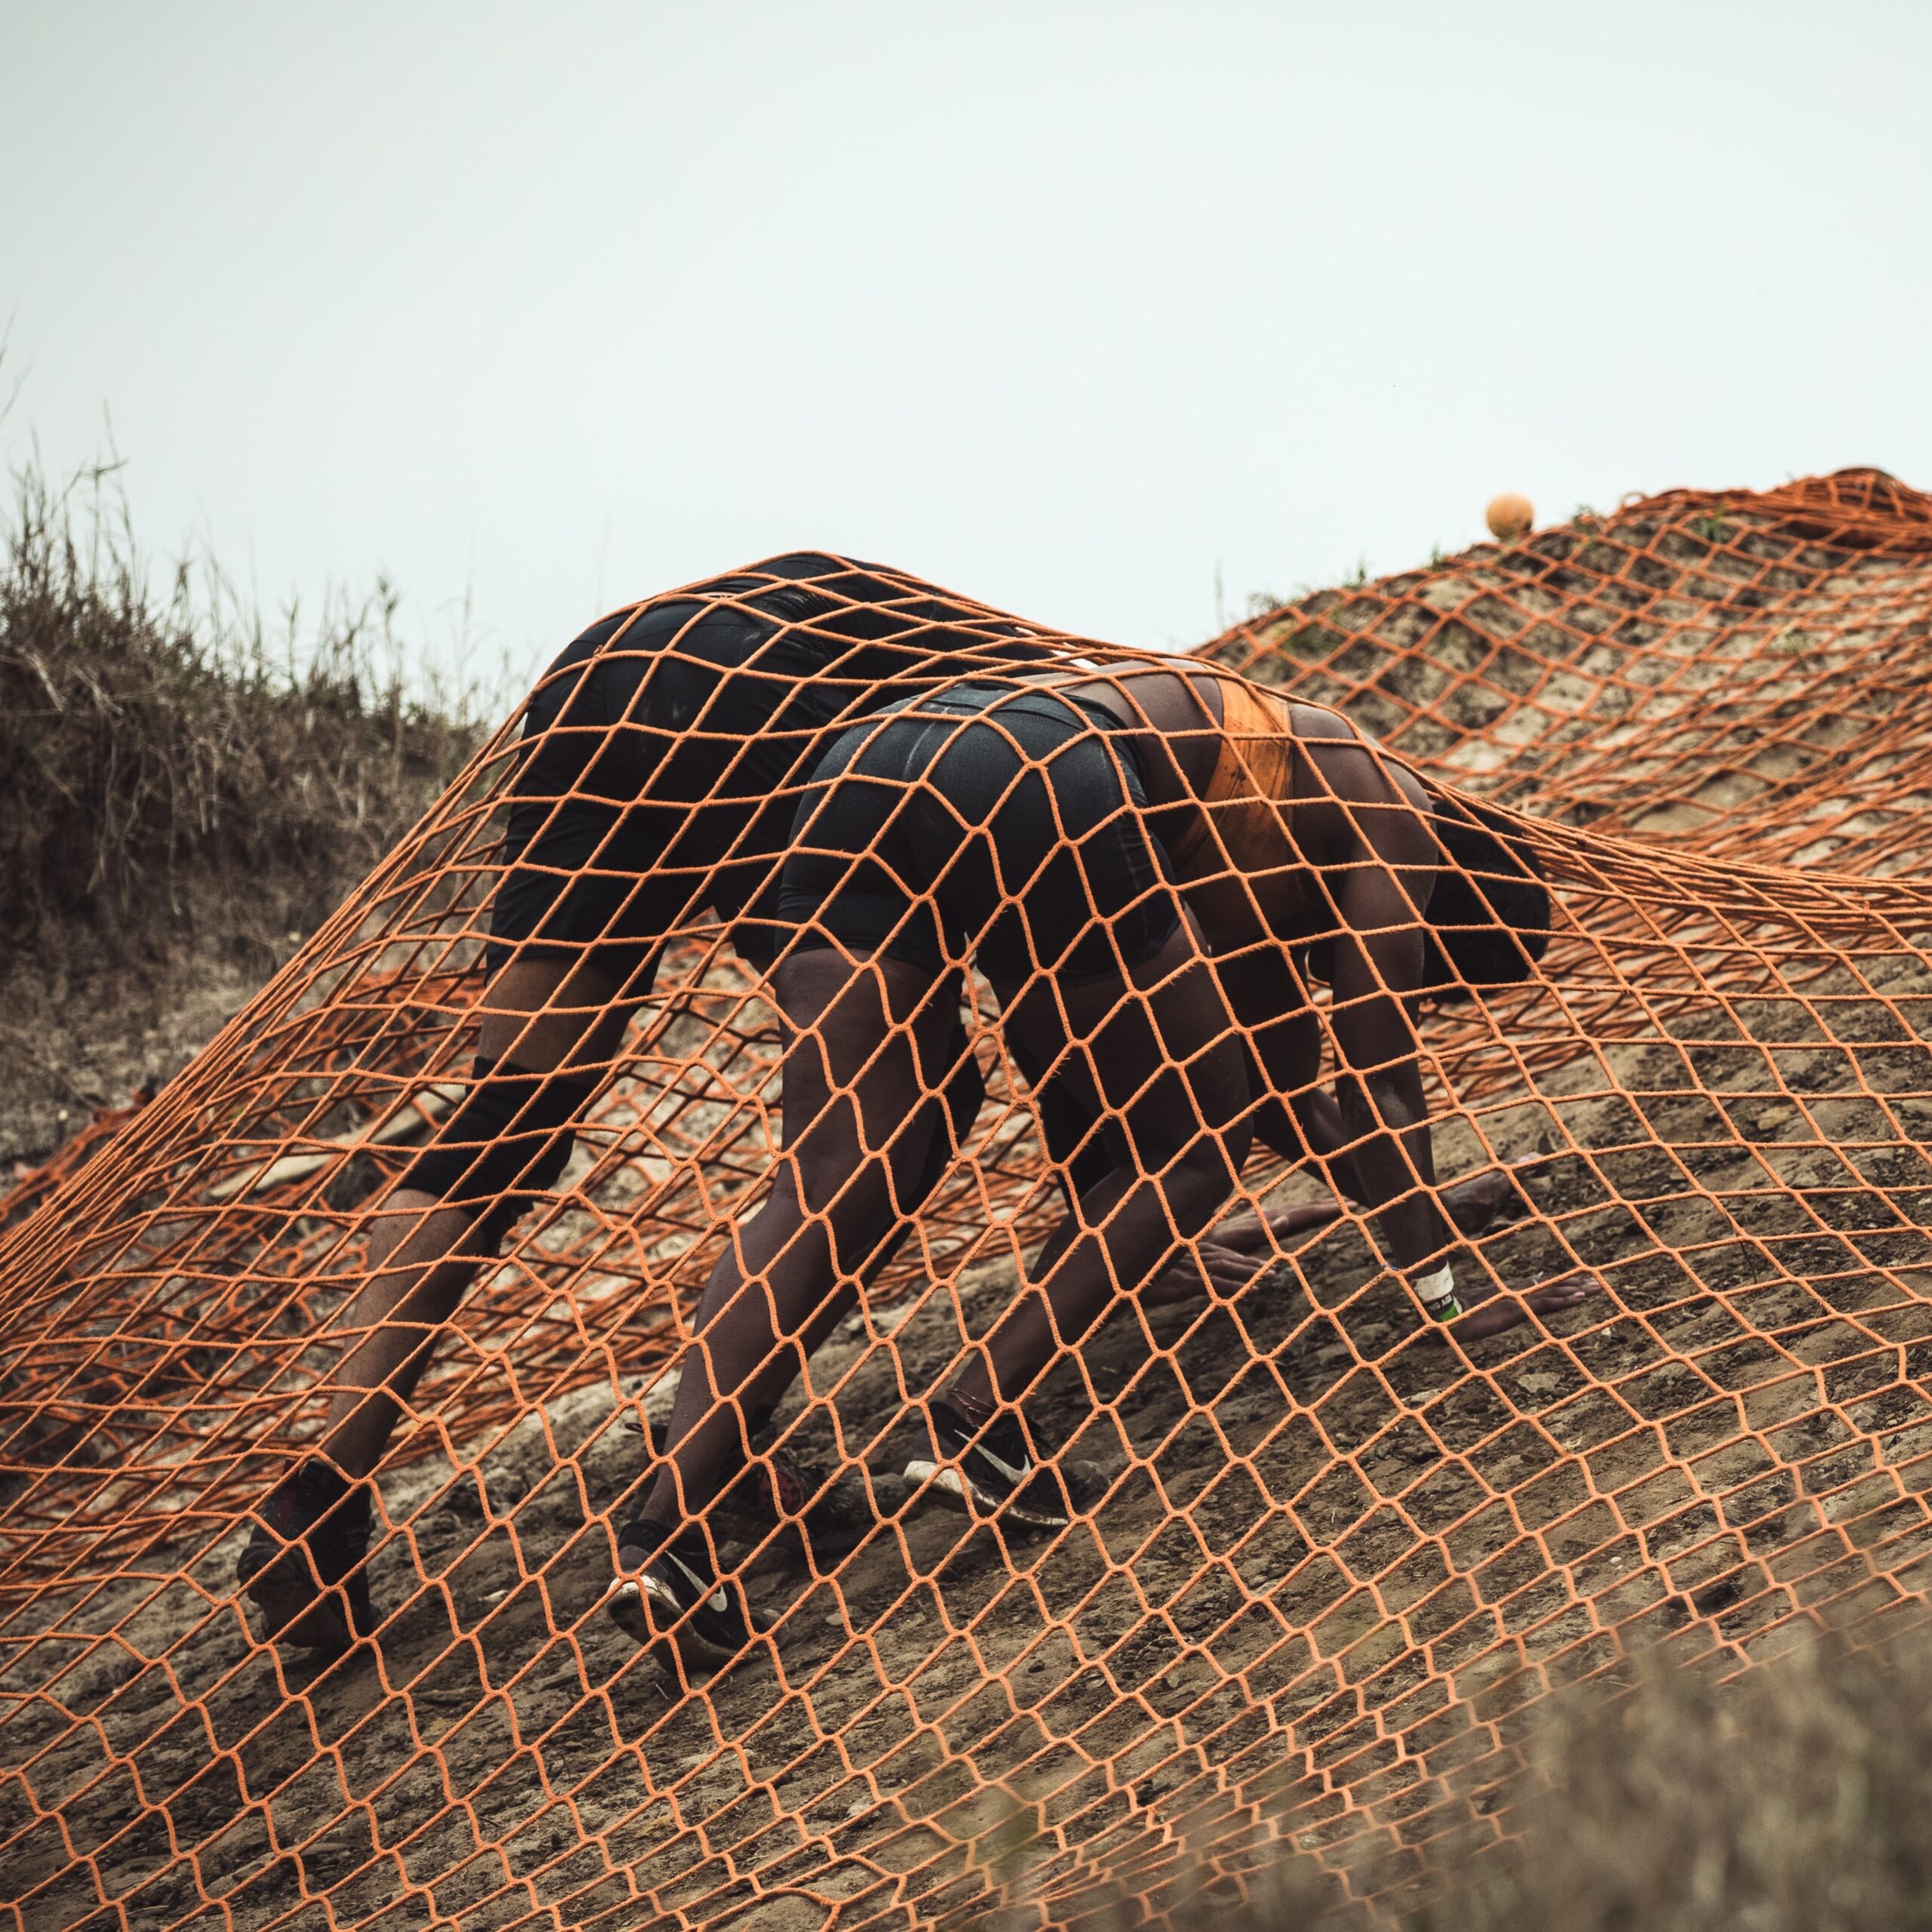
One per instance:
[(1341, 763)]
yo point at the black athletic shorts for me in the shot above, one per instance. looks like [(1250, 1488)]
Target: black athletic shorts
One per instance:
[(665, 750), (989, 819)]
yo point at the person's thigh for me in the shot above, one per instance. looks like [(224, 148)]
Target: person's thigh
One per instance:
[(640, 768), (1064, 877), (860, 872)]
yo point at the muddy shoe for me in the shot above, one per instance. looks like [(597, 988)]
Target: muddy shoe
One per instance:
[(304, 1567), (988, 1472), (675, 1597), (833, 1516)]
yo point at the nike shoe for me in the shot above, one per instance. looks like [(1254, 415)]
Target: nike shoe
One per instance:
[(986, 1473), (305, 1565), (676, 1598)]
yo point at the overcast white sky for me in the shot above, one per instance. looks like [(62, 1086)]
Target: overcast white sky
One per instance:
[(1063, 304)]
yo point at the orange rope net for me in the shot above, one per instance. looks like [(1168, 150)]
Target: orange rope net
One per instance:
[(1331, 1559)]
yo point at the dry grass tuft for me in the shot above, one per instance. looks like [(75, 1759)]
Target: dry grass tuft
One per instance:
[(1795, 1798), (183, 797), (148, 741)]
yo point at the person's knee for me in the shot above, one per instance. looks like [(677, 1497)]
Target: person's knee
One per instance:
[(852, 1207), (415, 1224), (938, 1130), (539, 1014), (1200, 1175), (432, 1301), (509, 1136), (826, 1186)]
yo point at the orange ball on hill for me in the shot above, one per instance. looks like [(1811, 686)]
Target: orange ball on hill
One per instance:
[(1509, 516)]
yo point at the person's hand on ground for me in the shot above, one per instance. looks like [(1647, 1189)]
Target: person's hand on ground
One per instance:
[(1240, 1248), (1249, 1233), (1472, 1204), (1484, 1198), (1488, 1309), (1221, 1271), (1235, 1253)]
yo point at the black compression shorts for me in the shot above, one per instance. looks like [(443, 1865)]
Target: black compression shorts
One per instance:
[(989, 819), (665, 751)]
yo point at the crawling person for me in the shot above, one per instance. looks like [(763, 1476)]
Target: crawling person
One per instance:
[(1151, 866), (658, 776)]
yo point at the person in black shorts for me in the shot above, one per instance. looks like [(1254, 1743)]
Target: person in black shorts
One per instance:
[(661, 758), (1029, 826)]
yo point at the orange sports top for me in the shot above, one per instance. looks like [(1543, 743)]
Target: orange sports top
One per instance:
[(1253, 777)]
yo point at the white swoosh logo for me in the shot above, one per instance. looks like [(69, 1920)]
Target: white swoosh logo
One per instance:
[(1016, 1477)]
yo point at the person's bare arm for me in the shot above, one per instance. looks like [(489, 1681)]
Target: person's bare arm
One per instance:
[(1379, 895), (1489, 1309), (1379, 903)]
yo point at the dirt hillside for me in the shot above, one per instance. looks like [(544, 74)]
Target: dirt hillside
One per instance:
[(1333, 1567)]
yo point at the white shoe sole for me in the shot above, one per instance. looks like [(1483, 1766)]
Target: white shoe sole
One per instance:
[(628, 1604), (947, 1484)]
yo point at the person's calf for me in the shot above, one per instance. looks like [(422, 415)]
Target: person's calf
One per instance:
[(395, 1322)]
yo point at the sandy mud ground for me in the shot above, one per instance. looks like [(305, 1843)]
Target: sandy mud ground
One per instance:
[(1329, 1569)]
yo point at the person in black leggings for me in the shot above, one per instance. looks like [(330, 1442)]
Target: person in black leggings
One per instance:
[(661, 758)]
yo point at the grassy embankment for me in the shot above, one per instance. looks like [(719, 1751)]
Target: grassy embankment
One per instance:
[(183, 795)]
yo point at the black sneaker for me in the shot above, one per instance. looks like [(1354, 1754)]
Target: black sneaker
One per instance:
[(304, 1565), (832, 1516), (986, 1472), (676, 1598)]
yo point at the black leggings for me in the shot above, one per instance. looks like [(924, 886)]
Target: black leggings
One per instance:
[(657, 753), (665, 748)]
